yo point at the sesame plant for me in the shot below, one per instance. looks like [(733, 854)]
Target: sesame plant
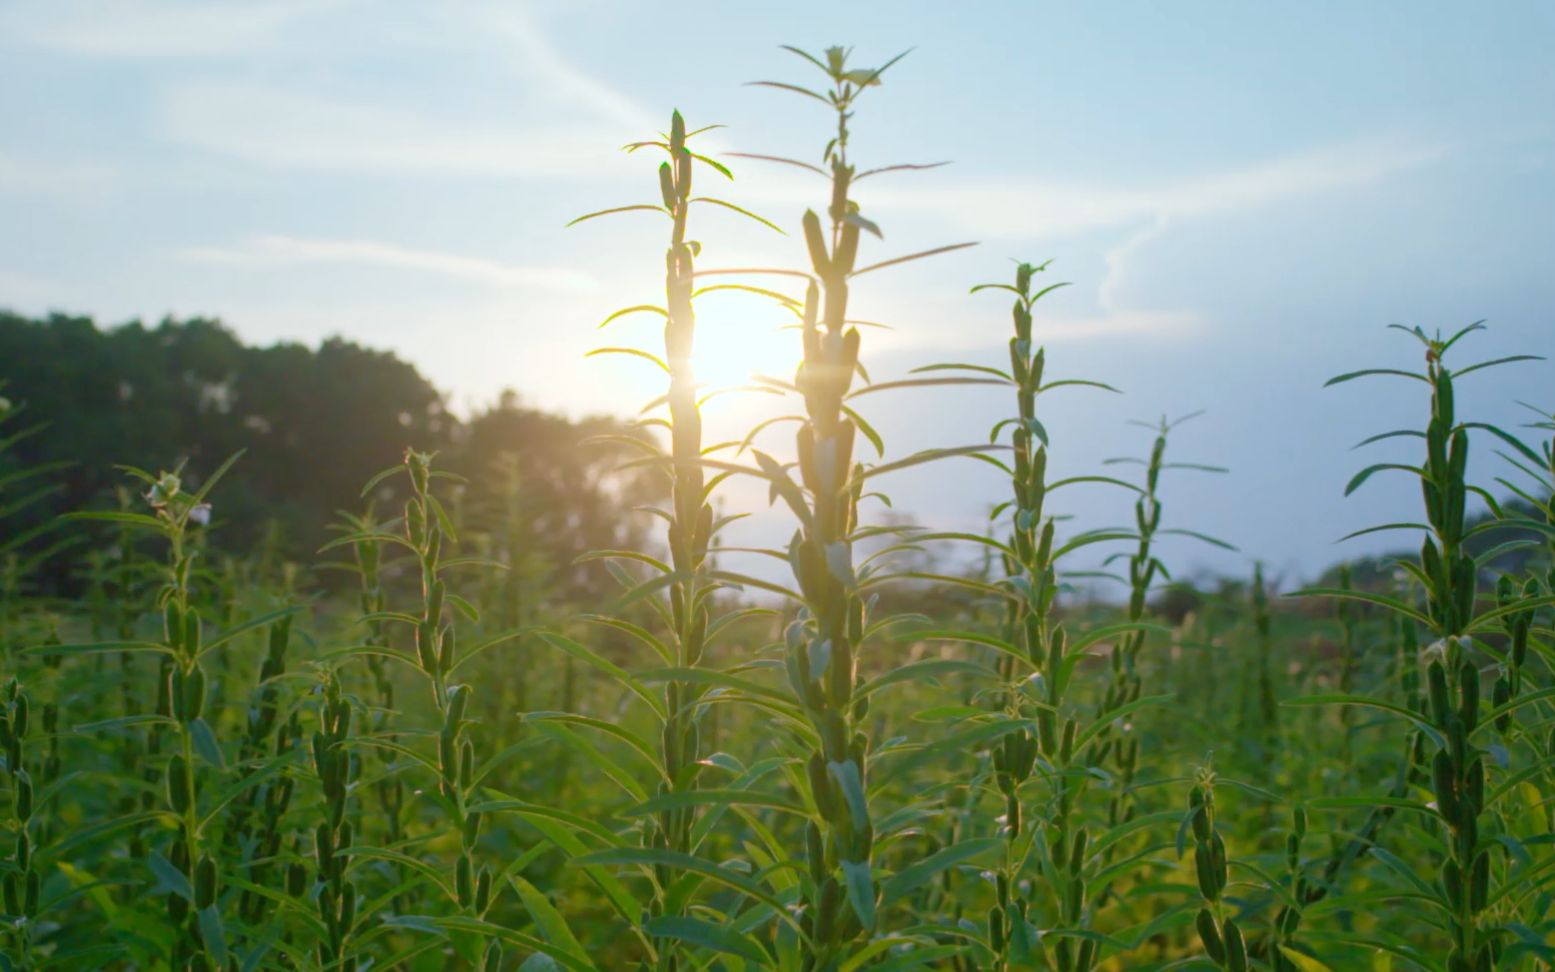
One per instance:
[(1144, 567), (1475, 894), (687, 611)]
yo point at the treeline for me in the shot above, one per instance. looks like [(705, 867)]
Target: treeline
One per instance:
[(313, 424)]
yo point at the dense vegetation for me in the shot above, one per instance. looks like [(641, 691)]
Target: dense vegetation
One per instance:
[(507, 703)]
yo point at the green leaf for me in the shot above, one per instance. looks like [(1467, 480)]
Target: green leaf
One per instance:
[(861, 891), (549, 921), (641, 207), (743, 212), (719, 938), (1350, 376), (170, 880), (213, 935), (898, 885), (205, 744)]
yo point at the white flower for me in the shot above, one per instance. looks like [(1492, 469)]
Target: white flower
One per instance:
[(200, 513)]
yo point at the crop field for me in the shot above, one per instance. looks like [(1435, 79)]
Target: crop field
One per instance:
[(546, 711)]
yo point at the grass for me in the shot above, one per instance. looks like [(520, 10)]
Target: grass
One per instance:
[(425, 761)]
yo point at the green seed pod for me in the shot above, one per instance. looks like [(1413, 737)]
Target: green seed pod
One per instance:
[(466, 765), (667, 187), (1087, 956), (483, 891), (815, 851), (1204, 867), (493, 959), (1479, 882), (821, 787), (180, 791), (23, 796), (194, 693), (1445, 785), (1218, 862), (296, 880), (1436, 681), (205, 883), (1299, 821), (347, 908), (819, 259), (23, 850), (1289, 921), (173, 625), (1077, 855), (1209, 935), (472, 828), (1236, 947), (1452, 883), (1468, 688), (464, 883), (34, 892), (996, 938), (1500, 695), (1474, 786)]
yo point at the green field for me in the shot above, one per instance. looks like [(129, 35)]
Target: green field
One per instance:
[(517, 706)]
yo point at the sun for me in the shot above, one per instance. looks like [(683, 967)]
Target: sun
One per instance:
[(732, 350)]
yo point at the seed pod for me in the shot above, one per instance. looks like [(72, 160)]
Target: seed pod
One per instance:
[(1445, 785), (194, 693), (13, 893), (296, 880), (995, 930), (466, 765), (1479, 882), (23, 796), (815, 851), (1236, 947), (483, 891), (205, 883), (463, 881), (493, 959), (1452, 883), (347, 908), (1474, 786), (1299, 821), (667, 187), (1203, 864), (1289, 921), (1500, 695), (1468, 688), (1077, 856), (1436, 680), (179, 789), (1209, 935)]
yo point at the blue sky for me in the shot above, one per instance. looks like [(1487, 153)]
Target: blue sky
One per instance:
[(1243, 196)]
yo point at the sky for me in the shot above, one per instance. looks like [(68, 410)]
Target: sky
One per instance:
[(1243, 197)]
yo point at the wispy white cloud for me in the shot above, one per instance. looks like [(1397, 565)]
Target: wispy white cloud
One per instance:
[(308, 130), (1028, 208), (277, 252), (153, 28)]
